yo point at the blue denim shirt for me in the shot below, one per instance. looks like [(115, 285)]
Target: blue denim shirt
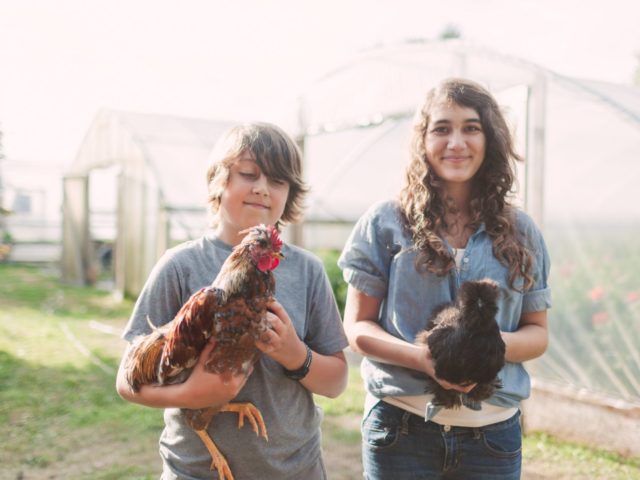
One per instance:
[(379, 260)]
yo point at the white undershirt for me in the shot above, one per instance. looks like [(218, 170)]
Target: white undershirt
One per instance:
[(459, 417)]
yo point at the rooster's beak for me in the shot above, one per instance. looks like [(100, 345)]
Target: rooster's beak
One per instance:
[(278, 255)]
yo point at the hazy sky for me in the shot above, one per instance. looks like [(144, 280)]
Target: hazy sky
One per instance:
[(62, 60)]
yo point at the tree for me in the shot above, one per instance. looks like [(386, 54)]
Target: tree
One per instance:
[(450, 31), (5, 237), (3, 211)]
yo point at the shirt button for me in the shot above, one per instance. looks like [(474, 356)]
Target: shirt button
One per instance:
[(447, 428), (465, 260)]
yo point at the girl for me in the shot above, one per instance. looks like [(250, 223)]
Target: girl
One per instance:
[(254, 177), (453, 222)]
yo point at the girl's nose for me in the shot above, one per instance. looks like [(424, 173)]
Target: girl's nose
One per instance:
[(456, 140)]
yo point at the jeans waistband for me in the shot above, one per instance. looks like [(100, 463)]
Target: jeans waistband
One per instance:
[(408, 417)]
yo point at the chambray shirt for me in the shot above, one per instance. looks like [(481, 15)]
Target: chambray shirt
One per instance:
[(379, 260)]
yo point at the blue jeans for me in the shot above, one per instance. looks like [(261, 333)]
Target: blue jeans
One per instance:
[(398, 445)]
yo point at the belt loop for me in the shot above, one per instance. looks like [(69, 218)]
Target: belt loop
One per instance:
[(476, 433), (404, 429)]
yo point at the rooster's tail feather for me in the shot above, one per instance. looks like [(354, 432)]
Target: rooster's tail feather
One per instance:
[(144, 357)]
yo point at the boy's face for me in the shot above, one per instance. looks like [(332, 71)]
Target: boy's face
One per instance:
[(248, 199)]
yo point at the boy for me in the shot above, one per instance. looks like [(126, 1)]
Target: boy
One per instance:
[(254, 177)]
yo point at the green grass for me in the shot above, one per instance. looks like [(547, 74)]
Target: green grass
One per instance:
[(570, 460), (350, 402), (60, 416), (55, 401)]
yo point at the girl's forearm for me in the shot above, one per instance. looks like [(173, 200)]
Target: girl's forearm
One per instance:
[(369, 339), (529, 341)]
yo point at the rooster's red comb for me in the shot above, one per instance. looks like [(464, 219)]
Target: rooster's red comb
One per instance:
[(276, 242)]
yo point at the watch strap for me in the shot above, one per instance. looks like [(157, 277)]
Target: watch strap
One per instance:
[(301, 372)]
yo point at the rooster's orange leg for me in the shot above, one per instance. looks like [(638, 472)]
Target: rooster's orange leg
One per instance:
[(252, 413), (217, 459)]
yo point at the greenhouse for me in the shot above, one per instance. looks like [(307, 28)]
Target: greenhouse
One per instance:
[(136, 187)]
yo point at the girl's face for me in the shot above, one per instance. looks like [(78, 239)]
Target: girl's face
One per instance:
[(455, 143), (249, 198)]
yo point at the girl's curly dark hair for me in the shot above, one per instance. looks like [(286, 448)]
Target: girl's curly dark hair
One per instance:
[(424, 204)]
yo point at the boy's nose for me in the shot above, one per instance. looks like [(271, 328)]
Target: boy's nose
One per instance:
[(260, 186)]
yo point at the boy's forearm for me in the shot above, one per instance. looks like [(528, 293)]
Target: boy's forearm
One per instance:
[(328, 375), (166, 396)]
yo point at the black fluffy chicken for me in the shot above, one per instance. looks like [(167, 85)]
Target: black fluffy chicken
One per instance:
[(466, 345), (233, 312)]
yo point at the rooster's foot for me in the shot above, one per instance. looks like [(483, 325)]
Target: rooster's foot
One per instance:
[(217, 459), (252, 413)]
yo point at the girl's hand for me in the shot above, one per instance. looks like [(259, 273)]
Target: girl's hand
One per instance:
[(205, 389), (281, 342), (429, 369)]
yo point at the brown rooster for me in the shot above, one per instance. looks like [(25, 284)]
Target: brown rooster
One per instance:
[(232, 311)]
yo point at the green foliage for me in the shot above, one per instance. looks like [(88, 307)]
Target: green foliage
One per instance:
[(595, 320), (330, 260), (450, 32), (350, 402), (1, 146)]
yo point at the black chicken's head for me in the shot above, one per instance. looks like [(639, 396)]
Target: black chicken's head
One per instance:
[(262, 244)]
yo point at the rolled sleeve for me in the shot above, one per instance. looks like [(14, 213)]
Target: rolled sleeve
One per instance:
[(539, 297), (367, 283), (367, 255), (537, 300)]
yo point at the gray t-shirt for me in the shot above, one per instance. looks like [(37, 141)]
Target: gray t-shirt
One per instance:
[(291, 417)]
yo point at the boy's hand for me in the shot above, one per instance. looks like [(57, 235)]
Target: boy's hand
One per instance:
[(205, 389), (281, 342)]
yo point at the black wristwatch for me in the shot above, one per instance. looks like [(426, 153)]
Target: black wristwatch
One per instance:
[(301, 372)]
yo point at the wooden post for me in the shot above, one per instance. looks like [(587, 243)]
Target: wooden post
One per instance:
[(536, 137), (297, 229)]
